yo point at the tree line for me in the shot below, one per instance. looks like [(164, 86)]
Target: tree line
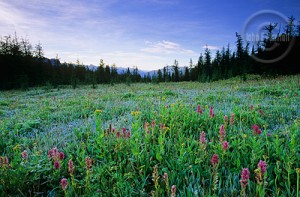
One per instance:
[(23, 65)]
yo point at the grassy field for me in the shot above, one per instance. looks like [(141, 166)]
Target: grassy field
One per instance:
[(226, 138)]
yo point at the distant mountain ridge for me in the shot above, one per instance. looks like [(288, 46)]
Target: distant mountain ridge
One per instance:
[(122, 70)]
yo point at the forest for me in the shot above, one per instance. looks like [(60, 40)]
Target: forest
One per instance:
[(24, 65)]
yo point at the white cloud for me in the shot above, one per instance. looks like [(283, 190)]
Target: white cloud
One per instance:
[(166, 47), (211, 47)]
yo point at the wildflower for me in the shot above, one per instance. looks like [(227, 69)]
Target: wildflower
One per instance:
[(222, 133), (199, 110), (64, 184), (4, 162), (225, 145), (165, 176), (166, 179), (260, 171), (124, 131), (71, 167), (128, 134), (98, 111), (153, 124), (245, 177), (146, 126), (56, 165), (173, 191), (225, 118), (61, 155), (251, 107), (211, 112), (262, 166), (155, 176), (232, 119), (214, 160), (261, 112), (161, 126), (24, 154), (256, 129), (88, 163), (118, 134), (202, 138)]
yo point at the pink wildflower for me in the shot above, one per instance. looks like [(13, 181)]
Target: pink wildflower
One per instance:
[(261, 112), (211, 112), (24, 154), (222, 133), (256, 129), (262, 165), (71, 167), (56, 165), (153, 124), (118, 134), (251, 107), (124, 131), (225, 118), (64, 184), (61, 155), (128, 134), (199, 110), (162, 126), (88, 163), (232, 119), (173, 191), (225, 145), (245, 177), (214, 160), (202, 138)]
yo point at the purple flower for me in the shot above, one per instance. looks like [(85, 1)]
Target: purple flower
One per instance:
[(61, 155), (232, 119), (214, 160), (88, 163), (118, 134), (225, 118), (261, 112), (225, 145), (245, 177), (56, 165), (71, 167), (211, 112), (199, 110), (256, 129), (24, 154), (64, 184), (202, 138), (173, 191), (262, 165)]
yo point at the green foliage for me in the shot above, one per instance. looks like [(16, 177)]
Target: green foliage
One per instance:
[(142, 139)]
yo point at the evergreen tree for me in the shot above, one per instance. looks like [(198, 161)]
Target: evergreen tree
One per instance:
[(159, 76), (186, 74), (175, 71), (101, 72)]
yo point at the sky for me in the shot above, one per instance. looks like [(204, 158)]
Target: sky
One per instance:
[(149, 34)]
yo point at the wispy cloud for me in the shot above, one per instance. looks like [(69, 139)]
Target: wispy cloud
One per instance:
[(211, 47), (166, 47)]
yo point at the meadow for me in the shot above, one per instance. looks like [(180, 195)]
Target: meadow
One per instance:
[(225, 138)]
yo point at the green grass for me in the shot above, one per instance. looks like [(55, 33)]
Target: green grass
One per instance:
[(85, 123)]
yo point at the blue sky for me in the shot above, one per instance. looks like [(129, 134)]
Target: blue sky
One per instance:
[(149, 34)]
